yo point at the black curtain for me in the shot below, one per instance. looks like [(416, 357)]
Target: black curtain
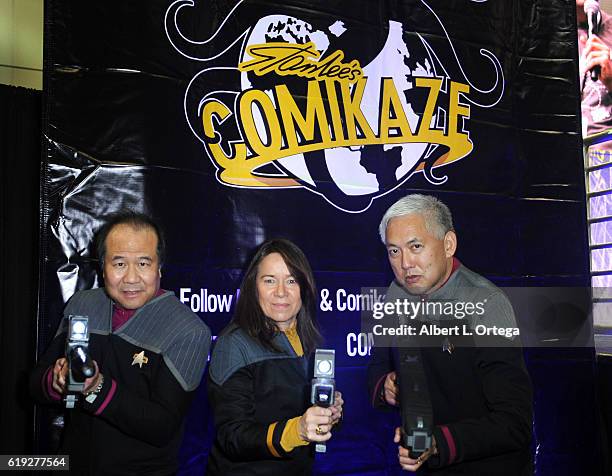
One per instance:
[(20, 159)]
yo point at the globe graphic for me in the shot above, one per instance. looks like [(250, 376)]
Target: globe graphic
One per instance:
[(351, 177)]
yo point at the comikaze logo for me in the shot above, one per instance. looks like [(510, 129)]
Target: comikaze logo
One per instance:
[(285, 101)]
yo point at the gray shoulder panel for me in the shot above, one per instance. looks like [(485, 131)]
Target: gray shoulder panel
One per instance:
[(498, 309), (237, 349), (167, 327), (93, 303), (475, 280)]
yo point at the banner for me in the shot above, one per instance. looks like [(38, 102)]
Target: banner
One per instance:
[(234, 122)]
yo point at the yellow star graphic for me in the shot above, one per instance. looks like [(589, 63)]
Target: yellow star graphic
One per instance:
[(140, 359)]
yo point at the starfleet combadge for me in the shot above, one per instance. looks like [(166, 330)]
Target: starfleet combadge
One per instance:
[(140, 359), (447, 346)]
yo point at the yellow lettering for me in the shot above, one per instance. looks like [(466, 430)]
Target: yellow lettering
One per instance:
[(259, 99), (274, 128), (354, 115), (391, 103), (222, 112), (292, 116), (457, 109), (458, 142), (334, 109), (434, 85), (299, 60)]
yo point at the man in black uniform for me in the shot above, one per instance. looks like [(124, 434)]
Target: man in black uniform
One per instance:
[(149, 352), (480, 395)]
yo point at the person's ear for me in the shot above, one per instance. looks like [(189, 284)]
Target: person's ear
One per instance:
[(450, 244)]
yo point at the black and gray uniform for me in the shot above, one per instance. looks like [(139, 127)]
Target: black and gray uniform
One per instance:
[(480, 392), (253, 392), (151, 365)]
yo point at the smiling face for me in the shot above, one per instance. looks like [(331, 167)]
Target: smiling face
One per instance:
[(278, 291), (421, 262), (131, 265)]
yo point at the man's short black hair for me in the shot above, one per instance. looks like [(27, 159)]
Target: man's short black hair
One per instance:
[(135, 220)]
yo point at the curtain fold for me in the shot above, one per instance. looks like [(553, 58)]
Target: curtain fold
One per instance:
[(20, 159)]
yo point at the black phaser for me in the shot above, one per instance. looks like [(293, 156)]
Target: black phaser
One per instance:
[(415, 404), (80, 364), (323, 384)]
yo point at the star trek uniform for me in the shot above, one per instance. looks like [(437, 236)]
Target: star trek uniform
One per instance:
[(257, 396), (152, 365), (481, 395)]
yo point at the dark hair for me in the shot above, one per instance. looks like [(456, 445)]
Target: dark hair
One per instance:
[(137, 221), (249, 315)]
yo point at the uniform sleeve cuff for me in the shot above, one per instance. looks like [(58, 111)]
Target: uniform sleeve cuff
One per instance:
[(290, 437), (275, 435), (447, 448), (99, 402), (47, 384), (270, 440), (378, 397)]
